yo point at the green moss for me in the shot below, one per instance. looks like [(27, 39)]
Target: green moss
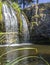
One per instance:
[(16, 7), (1, 18), (36, 16), (21, 25)]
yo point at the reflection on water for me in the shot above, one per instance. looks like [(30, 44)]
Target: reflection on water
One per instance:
[(19, 55)]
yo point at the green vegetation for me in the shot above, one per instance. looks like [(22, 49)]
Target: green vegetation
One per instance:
[(16, 7)]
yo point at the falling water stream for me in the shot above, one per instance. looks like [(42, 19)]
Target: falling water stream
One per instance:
[(11, 24), (25, 30)]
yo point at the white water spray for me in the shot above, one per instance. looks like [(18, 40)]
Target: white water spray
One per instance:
[(11, 24)]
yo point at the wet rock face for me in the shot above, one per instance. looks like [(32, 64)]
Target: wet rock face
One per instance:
[(40, 33)]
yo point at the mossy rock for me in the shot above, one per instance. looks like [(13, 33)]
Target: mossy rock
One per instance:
[(36, 16), (16, 7)]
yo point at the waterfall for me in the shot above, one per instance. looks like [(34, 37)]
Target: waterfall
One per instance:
[(11, 34), (25, 30), (11, 24)]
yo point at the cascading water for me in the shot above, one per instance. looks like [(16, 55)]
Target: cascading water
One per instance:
[(25, 30), (11, 24)]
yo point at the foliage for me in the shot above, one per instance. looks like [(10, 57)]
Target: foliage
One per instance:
[(24, 2), (16, 7)]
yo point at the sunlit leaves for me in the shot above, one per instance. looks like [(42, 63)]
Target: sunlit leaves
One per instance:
[(16, 7)]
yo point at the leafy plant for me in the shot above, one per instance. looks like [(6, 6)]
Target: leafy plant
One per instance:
[(16, 7)]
